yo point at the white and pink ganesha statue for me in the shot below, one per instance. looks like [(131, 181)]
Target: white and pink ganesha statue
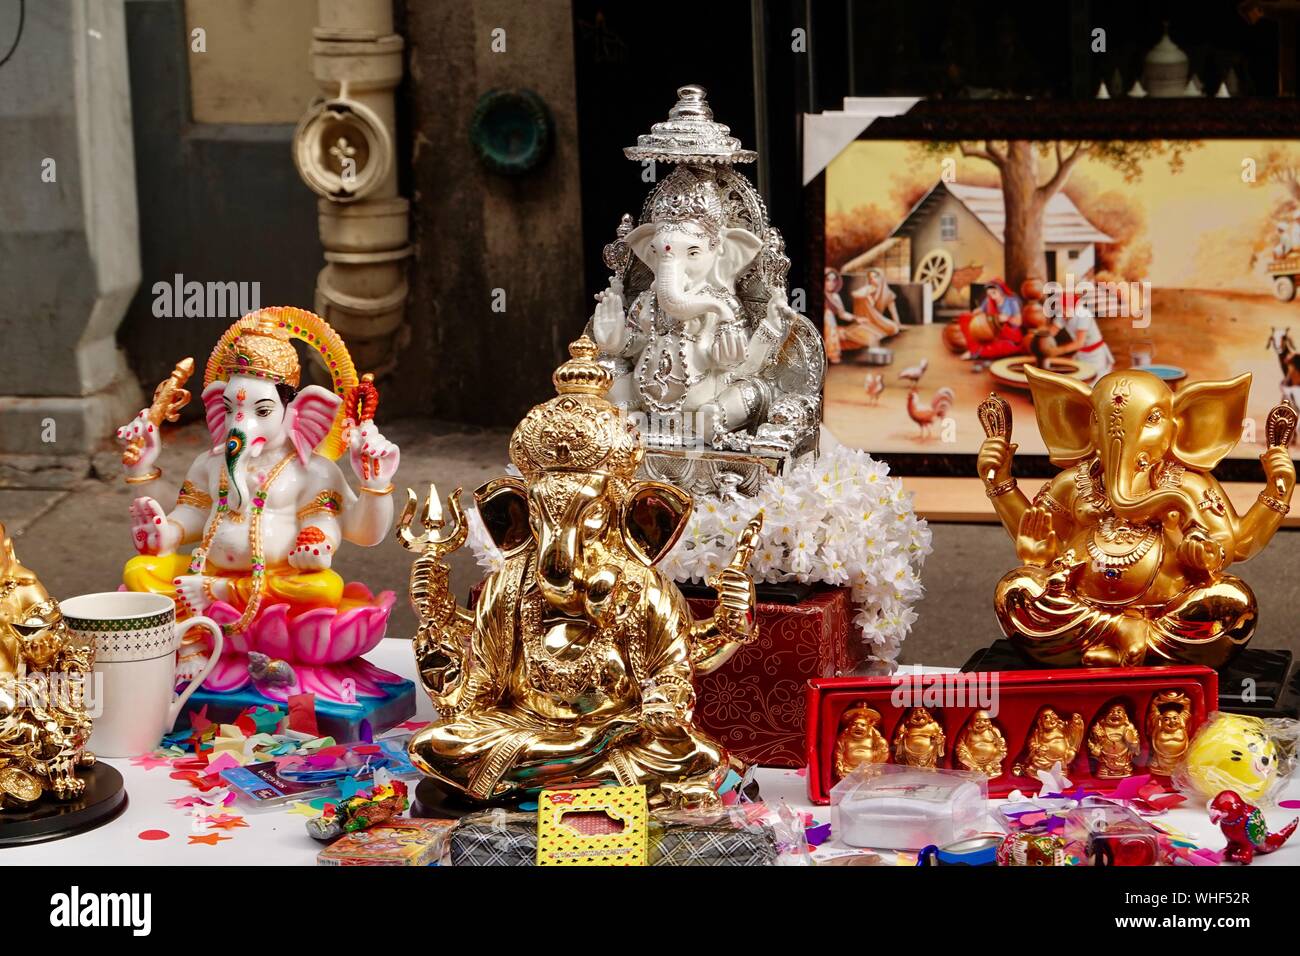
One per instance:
[(266, 509)]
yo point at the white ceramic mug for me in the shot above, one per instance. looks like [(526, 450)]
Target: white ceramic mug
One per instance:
[(136, 636)]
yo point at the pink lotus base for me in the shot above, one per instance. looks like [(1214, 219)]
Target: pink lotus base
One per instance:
[(323, 645)]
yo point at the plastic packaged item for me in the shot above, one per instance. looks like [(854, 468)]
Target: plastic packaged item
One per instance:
[(907, 808), (400, 843), (1112, 835), (730, 836), (1038, 846), (1029, 812), (494, 838), (1252, 756)]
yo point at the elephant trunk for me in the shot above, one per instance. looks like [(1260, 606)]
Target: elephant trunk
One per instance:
[(677, 302), (236, 447), (1150, 506), (569, 586)]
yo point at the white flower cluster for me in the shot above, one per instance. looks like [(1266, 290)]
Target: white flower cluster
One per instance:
[(839, 519)]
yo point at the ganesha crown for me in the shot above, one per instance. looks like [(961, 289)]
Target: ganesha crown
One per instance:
[(259, 346), (579, 429)]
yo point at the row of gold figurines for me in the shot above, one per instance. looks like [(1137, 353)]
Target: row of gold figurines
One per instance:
[(1113, 741)]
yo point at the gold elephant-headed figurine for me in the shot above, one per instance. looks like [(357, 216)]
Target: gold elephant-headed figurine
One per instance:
[(576, 664), (1125, 552)]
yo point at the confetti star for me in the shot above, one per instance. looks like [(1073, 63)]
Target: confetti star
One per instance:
[(225, 821), (208, 839), (151, 761)]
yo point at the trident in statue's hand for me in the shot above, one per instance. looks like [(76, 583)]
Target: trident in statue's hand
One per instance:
[(437, 538), (735, 586)]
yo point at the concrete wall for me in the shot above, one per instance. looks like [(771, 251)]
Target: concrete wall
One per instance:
[(218, 202), (68, 261), (255, 66), (476, 232)]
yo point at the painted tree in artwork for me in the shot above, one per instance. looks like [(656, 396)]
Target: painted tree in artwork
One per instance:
[(1026, 189)]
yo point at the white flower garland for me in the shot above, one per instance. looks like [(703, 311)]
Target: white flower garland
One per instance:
[(838, 519)]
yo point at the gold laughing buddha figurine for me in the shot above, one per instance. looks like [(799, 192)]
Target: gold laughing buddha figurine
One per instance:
[(919, 740), (1167, 719), (1125, 553), (980, 746), (859, 740), (43, 722), (576, 664), (1053, 740), (1113, 742)]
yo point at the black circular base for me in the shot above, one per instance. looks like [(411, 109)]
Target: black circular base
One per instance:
[(437, 801), (51, 819)]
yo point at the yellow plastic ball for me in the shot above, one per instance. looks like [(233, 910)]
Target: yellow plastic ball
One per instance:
[(1232, 752)]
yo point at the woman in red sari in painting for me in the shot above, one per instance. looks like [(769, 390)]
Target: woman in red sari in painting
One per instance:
[(1001, 309)]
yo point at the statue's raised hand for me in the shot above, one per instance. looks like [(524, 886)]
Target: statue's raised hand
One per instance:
[(735, 586), (151, 532), (144, 431), (374, 457), (1279, 472), (608, 324), (995, 459), (729, 347), (1036, 542)]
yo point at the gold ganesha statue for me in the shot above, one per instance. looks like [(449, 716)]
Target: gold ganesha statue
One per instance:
[(1125, 553), (576, 664)]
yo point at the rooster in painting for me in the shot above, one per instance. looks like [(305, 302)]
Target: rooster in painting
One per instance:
[(875, 386), (1244, 826), (927, 415), (912, 374)]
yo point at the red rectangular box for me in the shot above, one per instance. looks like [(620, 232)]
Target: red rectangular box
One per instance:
[(1020, 696), (754, 704)]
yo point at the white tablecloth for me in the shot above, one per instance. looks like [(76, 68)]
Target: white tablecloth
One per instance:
[(278, 837)]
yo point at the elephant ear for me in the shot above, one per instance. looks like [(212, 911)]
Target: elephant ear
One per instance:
[(638, 240), (503, 505), (1208, 416), (1064, 411), (739, 247), (214, 409), (309, 418), (654, 517)]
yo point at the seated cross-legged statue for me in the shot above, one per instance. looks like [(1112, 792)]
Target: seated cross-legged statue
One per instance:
[(262, 514), (1125, 553), (576, 663)]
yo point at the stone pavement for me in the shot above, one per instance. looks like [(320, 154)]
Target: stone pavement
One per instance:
[(78, 541)]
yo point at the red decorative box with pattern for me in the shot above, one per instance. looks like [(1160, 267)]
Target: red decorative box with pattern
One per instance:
[(754, 704)]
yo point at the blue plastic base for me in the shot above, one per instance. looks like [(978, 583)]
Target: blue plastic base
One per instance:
[(343, 722)]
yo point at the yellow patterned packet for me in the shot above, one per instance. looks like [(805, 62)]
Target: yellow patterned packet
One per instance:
[(593, 826)]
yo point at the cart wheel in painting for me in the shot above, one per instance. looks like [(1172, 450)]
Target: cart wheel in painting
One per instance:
[(1284, 288), (935, 271)]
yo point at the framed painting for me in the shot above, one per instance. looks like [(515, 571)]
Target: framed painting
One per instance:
[(962, 241)]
